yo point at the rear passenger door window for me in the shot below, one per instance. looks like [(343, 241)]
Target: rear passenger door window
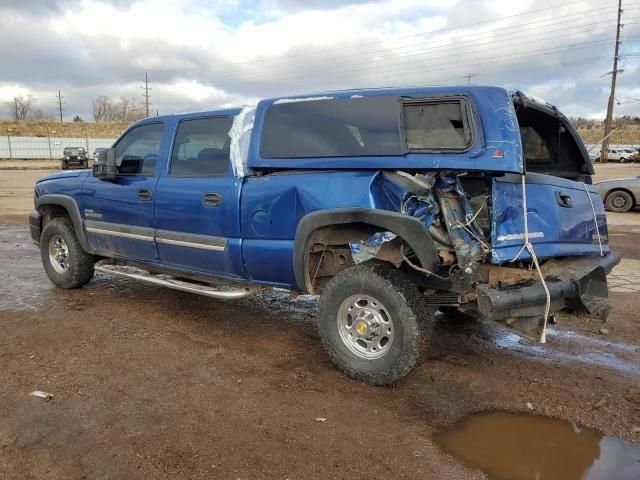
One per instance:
[(201, 148)]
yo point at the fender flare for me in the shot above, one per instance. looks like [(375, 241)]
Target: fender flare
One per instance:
[(69, 204), (410, 229)]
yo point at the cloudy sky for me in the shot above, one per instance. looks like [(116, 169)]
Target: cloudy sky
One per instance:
[(203, 54)]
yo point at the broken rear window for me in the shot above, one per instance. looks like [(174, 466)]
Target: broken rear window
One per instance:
[(436, 125)]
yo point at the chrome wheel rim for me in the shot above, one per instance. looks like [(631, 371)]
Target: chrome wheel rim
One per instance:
[(59, 254), (365, 326)]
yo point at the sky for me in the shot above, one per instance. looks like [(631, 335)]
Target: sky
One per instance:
[(205, 54)]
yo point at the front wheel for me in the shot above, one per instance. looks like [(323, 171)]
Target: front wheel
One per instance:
[(623, 160), (369, 322), (66, 263)]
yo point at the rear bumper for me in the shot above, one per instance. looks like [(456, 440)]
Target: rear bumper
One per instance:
[(35, 225), (577, 284)]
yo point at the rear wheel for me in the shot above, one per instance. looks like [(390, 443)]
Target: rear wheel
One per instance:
[(66, 263), (619, 201), (368, 320)]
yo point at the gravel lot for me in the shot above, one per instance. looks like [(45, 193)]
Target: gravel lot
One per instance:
[(155, 383)]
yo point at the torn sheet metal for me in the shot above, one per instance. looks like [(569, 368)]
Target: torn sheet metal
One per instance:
[(240, 135), (467, 238), (368, 249)]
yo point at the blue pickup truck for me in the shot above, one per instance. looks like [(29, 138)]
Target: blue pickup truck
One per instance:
[(390, 204)]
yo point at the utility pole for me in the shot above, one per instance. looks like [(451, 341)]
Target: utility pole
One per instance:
[(469, 76), (60, 97), (604, 153), (146, 93)]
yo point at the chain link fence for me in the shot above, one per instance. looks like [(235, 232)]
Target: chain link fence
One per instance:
[(50, 147)]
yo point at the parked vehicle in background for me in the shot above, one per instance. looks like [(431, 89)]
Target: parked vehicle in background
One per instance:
[(388, 203), (621, 155), (74, 157), (96, 152), (620, 194), (634, 154)]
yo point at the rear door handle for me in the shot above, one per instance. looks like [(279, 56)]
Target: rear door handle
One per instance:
[(145, 194), (564, 199), (212, 200)]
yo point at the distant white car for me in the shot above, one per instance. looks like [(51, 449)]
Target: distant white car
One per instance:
[(621, 155)]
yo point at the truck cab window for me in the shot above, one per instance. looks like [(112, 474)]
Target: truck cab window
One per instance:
[(137, 152), (201, 148)]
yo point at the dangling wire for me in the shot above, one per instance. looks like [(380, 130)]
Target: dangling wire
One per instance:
[(529, 247), (595, 218)]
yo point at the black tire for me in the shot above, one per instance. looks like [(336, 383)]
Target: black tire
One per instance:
[(400, 303), (64, 165), (619, 201), (622, 159), (79, 264)]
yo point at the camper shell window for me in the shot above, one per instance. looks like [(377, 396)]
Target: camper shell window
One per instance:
[(366, 126)]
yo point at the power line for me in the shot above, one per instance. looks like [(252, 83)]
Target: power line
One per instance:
[(604, 153), (341, 49), (146, 95), (437, 51), (469, 76), (531, 26), (60, 97)]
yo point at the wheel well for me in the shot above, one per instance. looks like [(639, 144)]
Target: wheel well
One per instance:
[(50, 212), (327, 252), (619, 189)]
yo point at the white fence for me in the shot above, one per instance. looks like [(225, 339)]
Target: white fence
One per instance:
[(47, 147)]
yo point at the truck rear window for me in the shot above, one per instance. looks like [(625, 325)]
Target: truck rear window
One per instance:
[(332, 128), (369, 126)]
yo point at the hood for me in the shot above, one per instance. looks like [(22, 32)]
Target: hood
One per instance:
[(615, 180), (66, 174)]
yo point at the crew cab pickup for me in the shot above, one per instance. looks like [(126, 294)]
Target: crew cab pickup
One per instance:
[(388, 203)]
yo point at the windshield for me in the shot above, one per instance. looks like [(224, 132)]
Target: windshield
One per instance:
[(72, 151)]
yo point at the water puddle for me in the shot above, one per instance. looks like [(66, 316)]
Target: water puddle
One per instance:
[(509, 446)]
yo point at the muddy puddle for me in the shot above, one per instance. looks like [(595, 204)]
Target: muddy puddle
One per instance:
[(509, 446)]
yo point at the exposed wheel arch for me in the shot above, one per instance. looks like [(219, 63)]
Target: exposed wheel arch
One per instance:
[(359, 222), (57, 204)]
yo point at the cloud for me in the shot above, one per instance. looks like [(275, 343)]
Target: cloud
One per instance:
[(204, 54)]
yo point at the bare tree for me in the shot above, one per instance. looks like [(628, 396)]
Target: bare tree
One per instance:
[(20, 107), (103, 109), (37, 115), (125, 109)]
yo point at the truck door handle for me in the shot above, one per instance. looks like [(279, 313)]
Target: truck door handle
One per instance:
[(212, 200), (145, 194), (564, 199)]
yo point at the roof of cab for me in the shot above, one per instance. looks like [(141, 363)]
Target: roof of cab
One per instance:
[(390, 91), (187, 115)]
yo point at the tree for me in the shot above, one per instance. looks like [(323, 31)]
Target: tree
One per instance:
[(103, 109), (78, 119), (125, 109), (20, 107), (38, 115)]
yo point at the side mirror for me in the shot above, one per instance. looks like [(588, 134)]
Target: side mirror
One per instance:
[(104, 166)]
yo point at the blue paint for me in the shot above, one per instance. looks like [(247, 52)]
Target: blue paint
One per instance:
[(259, 214)]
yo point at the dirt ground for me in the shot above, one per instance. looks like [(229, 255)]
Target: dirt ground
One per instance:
[(155, 383)]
